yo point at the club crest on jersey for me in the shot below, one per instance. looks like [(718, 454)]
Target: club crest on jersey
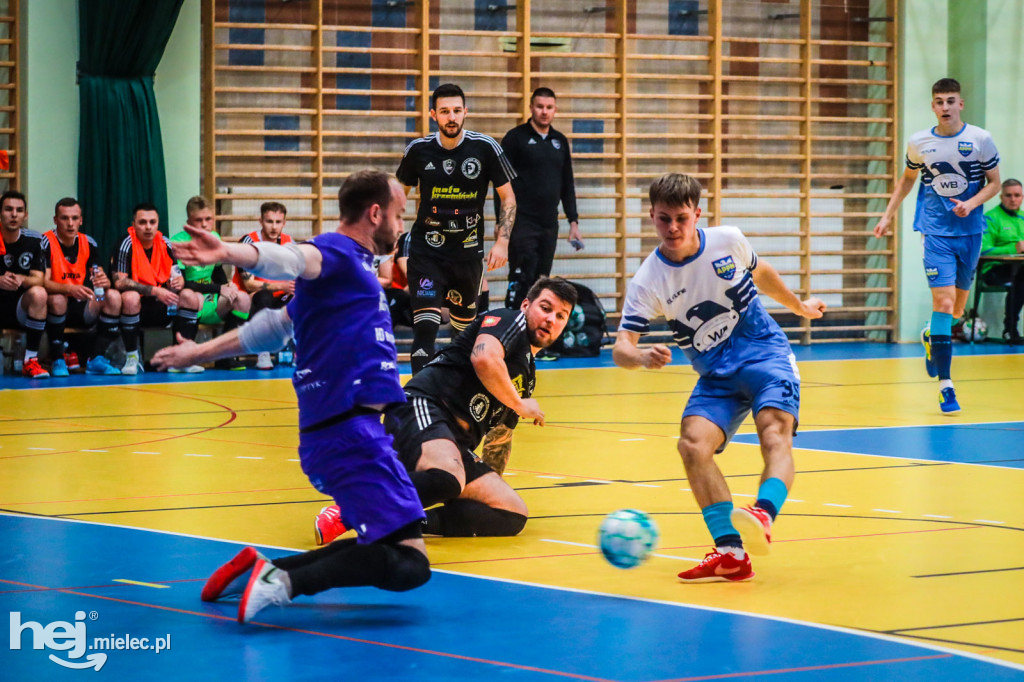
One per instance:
[(455, 297), (556, 144), (725, 267), (449, 166), (490, 321), (471, 168), (478, 406), (965, 148), (435, 238)]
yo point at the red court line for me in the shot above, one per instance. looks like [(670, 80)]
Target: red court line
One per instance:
[(686, 547), (151, 497), (231, 418), (831, 666), (316, 633)]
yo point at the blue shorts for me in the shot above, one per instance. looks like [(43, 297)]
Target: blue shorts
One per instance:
[(950, 261), (355, 463), (726, 401)]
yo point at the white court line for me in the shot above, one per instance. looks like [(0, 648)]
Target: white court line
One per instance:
[(557, 478), (243, 457), (193, 454), (790, 499), (626, 440), (94, 450), (712, 609), (582, 544), (831, 504), (742, 495), (936, 516), (143, 452), (888, 511), (646, 485), (291, 460), (988, 521), (40, 448)]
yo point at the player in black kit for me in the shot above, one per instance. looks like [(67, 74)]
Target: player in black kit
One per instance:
[(475, 389), (452, 169), (22, 296), (541, 157)]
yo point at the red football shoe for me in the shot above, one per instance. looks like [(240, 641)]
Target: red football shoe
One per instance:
[(31, 369), (755, 527), (328, 525), (72, 360), (230, 579), (718, 567)]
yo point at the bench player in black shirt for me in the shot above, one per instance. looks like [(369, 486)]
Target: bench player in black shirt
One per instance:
[(544, 165), (452, 169), (22, 296), (475, 389)]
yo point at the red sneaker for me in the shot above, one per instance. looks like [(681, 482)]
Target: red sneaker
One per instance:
[(33, 370), (72, 361), (719, 568), (755, 527), (328, 525), (230, 579)]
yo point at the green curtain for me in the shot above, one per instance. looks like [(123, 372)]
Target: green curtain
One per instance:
[(120, 156)]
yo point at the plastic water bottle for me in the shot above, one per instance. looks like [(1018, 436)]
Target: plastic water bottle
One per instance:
[(172, 309), (286, 356), (18, 353), (97, 290)]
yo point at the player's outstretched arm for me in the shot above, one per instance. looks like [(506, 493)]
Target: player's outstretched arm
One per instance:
[(488, 358), (627, 353), (267, 260), (268, 330), (899, 193), (769, 282)]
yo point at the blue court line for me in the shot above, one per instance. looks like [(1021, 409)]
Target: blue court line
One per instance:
[(995, 444), (456, 627)]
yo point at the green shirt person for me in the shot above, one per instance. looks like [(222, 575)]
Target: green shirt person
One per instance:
[(1004, 236)]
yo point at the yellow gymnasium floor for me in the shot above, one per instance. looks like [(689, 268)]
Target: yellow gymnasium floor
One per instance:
[(902, 522)]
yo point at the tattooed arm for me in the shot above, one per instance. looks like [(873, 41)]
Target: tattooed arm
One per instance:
[(497, 448), (122, 282), (503, 227)]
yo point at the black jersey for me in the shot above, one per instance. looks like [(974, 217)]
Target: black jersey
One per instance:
[(547, 178), (453, 190), (23, 255), (451, 380)]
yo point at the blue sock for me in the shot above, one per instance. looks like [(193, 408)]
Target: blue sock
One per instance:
[(771, 496), (718, 518), (942, 343)]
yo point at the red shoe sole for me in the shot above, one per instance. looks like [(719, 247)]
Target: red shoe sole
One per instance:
[(222, 577)]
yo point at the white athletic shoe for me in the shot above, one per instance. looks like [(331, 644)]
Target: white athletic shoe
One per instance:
[(263, 361), (132, 364), (191, 369), (265, 588)]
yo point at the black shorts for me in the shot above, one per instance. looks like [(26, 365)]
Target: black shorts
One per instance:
[(420, 420), (433, 281), (153, 313), (78, 315)]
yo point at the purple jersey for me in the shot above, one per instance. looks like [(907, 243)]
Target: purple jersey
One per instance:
[(345, 349)]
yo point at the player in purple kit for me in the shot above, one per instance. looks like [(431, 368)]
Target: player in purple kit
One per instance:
[(346, 374)]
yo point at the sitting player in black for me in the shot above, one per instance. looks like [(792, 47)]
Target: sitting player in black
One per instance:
[(474, 390)]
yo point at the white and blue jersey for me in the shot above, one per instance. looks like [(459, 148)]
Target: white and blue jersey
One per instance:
[(345, 347), (710, 303), (951, 167)]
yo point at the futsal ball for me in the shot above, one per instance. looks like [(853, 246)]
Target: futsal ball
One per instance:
[(980, 329), (627, 538), (568, 340), (582, 339), (576, 319)]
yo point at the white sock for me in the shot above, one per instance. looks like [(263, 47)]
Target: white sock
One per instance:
[(945, 383), (29, 354), (737, 552)]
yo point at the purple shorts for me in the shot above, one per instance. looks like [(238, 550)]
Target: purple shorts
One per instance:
[(355, 463)]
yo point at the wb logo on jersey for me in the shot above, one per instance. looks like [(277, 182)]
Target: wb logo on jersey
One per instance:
[(725, 267), (965, 148)]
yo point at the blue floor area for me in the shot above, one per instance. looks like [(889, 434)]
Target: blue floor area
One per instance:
[(827, 351), (454, 628), (993, 444)]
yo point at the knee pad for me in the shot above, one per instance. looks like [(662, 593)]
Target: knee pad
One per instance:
[(503, 523), (408, 568)]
